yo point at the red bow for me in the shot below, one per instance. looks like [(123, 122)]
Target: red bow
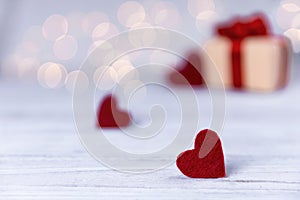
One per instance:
[(239, 30)]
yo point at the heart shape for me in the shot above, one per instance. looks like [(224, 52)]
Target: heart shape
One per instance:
[(206, 160), (190, 73), (109, 115)]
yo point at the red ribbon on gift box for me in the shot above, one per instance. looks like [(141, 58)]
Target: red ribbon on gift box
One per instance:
[(237, 30)]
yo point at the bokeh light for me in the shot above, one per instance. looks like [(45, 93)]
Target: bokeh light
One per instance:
[(195, 7), (28, 48), (163, 57), (288, 19), (91, 20), (291, 6), (294, 35), (55, 26), (296, 21), (144, 37), (104, 47), (105, 78), (205, 21), (51, 75), (284, 18), (125, 70), (165, 14), (9, 65), (131, 13), (65, 47), (94, 45), (104, 31), (286, 13), (27, 68), (76, 77)]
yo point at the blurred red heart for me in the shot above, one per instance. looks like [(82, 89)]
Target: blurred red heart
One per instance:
[(109, 115), (205, 163), (188, 71)]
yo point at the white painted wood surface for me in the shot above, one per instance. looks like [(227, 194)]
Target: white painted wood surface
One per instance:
[(41, 156)]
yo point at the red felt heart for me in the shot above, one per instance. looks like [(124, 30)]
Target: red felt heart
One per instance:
[(205, 163), (188, 72), (109, 115)]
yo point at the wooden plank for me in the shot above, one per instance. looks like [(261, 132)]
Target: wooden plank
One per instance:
[(41, 156)]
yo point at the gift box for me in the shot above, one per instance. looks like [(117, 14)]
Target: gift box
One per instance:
[(247, 55)]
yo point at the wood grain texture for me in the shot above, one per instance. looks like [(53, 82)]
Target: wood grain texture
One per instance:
[(41, 156)]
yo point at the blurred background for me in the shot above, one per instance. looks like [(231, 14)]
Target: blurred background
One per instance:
[(45, 42)]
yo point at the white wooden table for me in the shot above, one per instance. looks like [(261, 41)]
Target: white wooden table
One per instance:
[(41, 156)]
